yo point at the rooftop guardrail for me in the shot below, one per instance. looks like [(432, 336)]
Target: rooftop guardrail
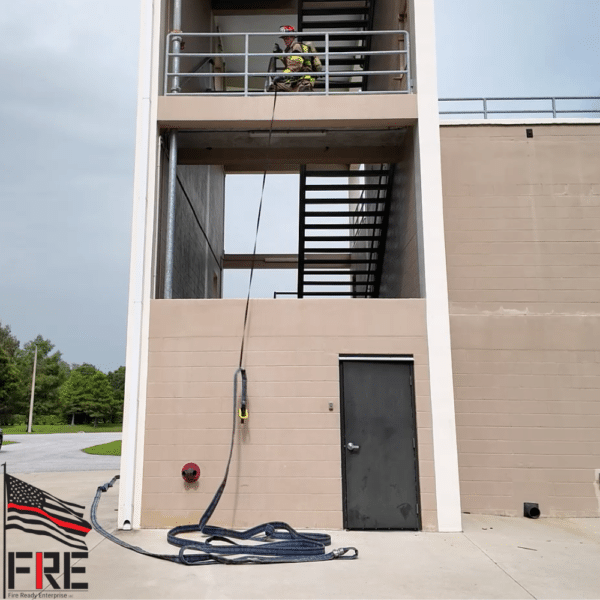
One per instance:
[(240, 63), (491, 108)]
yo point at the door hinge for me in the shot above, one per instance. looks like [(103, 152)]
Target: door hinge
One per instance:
[(411, 381), (414, 445), (417, 508)]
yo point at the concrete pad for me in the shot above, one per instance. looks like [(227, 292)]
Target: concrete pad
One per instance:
[(495, 557), (551, 558), (58, 452)]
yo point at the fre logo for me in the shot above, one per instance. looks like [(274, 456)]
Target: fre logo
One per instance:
[(27, 571)]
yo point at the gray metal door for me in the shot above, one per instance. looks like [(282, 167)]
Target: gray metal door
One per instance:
[(379, 457)]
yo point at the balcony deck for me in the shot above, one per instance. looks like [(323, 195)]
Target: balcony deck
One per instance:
[(307, 111)]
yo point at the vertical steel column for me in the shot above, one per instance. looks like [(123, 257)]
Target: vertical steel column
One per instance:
[(172, 182), (172, 187), (246, 50), (302, 232), (326, 64), (409, 86), (32, 392), (176, 44)]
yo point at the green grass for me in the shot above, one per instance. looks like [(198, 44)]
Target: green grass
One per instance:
[(7, 442), (19, 429), (112, 448)]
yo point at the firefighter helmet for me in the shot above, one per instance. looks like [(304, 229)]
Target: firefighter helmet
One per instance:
[(287, 30)]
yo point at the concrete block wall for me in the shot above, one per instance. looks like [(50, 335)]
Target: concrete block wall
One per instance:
[(522, 220), (287, 458)]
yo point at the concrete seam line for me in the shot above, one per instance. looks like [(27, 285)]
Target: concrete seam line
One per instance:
[(503, 570)]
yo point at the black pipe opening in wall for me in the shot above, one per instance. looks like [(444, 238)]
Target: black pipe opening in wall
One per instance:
[(531, 510)]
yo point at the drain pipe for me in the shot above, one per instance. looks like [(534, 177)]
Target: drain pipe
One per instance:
[(138, 303), (172, 183), (172, 187), (175, 89)]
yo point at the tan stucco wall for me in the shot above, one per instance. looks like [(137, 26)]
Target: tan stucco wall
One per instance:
[(522, 221), (389, 15), (287, 459)]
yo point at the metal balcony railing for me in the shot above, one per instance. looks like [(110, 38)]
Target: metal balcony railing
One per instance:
[(243, 64), (490, 108)]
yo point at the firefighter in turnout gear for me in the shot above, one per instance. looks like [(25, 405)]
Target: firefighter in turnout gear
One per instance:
[(295, 64)]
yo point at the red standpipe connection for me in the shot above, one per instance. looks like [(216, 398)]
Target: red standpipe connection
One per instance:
[(190, 472)]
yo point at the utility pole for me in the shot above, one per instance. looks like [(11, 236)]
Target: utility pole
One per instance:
[(32, 391)]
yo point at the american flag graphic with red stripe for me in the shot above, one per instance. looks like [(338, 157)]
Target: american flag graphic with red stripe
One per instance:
[(34, 511)]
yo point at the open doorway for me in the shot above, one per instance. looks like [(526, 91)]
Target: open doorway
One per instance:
[(277, 235), (276, 267)]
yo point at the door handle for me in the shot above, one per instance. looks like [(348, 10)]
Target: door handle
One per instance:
[(352, 447)]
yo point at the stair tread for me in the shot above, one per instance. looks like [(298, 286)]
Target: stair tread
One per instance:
[(334, 1), (339, 187), (340, 8), (342, 238), (325, 282), (342, 62), (348, 173), (349, 213), (347, 10), (336, 250), (350, 294), (337, 272), (337, 86), (351, 267), (342, 226), (346, 36), (356, 49), (322, 25), (346, 261)]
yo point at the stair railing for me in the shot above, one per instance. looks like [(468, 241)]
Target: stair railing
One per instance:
[(364, 204)]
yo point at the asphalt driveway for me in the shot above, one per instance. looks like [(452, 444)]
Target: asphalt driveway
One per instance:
[(42, 453)]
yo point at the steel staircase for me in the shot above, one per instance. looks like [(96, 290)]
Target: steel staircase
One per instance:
[(341, 240), (339, 16)]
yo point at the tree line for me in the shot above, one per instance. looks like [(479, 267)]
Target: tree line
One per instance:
[(64, 393)]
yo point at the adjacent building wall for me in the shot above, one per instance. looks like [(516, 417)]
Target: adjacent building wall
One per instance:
[(287, 458), (522, 219)]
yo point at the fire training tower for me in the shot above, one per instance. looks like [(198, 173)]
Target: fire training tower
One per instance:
[(351, 406)]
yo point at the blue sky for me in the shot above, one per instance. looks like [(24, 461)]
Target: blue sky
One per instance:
[(518, 47), (68, 123)]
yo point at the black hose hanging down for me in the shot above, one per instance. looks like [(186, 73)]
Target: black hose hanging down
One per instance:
[(274, 542)]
